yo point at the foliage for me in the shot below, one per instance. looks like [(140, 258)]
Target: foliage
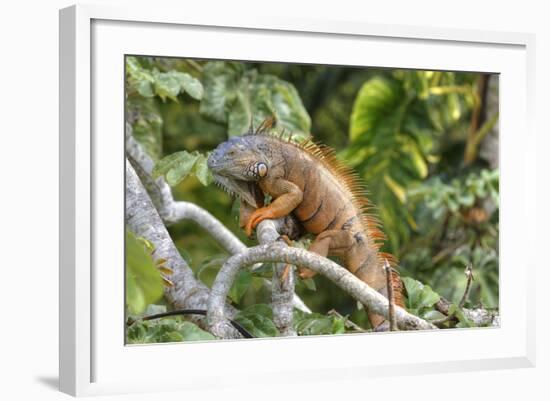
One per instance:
[(143, 280), (177, 166), (397, 128), (317, 324), (411, 135), (238, 96), (170, 329)]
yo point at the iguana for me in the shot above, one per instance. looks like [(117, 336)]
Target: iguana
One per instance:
[(326, 197)]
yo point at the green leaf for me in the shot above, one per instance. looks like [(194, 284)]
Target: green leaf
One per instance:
[(166, 85), (175, 167), (166, 330), (419, 296), (144, 283), (145, 89), (220, 80), (282, 99), (240, 115), (317, 324), (240, 286), (202, 172), (376, 104), (192, 332), (209, 268), (258, 320), (189, 85), (236, 96)]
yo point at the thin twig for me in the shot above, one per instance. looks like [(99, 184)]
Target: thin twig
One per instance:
[(347, 322), (469, 277), (195, 65), (391, 298), (444, 305)]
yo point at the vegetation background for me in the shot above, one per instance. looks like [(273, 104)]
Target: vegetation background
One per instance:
[(425, 142)]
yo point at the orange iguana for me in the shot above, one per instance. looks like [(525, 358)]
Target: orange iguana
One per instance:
[(307, 181)]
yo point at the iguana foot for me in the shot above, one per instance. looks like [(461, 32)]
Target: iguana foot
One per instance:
[(285, 239), (257, 217)]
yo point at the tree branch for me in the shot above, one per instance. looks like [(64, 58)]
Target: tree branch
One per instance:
[(282, 289), (391, 298), (478, 316), (143, 220), (280, 253), (172, 211)]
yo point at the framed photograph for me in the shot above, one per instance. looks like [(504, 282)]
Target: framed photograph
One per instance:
[(253, 199)]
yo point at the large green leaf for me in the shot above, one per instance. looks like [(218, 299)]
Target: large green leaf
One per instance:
[(240, 286), (420, 297), (258, 320), (377, 111), (220, 80), (144, 283), (317, 324), (170, 84), (392, 135), (177, 166), (237, 96)]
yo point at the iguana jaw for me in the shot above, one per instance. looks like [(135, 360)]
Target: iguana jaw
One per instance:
[(247, 191)]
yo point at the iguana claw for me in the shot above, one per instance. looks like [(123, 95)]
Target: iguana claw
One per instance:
[(256, 218)]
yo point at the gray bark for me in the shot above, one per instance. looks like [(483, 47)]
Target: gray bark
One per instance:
[(479, 317), (489, 145), (282, 288), (280, 253), (144, 221)]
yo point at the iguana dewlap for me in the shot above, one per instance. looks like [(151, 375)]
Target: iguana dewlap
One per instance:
[(326, 197)]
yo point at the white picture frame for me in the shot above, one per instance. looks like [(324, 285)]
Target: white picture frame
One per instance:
[(93, 358)]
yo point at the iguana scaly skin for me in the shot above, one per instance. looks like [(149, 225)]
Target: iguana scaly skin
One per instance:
[(325, 196)]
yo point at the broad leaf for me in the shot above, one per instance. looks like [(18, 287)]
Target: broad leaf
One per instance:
[(317, 324), (237, 96), (240, 286), (144, 283), (419, 296), (177, 166), (258, 320)]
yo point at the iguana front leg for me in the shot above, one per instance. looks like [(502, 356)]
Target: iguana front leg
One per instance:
[(286, 197)]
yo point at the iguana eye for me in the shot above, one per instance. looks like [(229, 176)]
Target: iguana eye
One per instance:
[(261, 169)]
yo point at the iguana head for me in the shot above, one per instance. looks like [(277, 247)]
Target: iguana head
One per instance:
[(238, 164)]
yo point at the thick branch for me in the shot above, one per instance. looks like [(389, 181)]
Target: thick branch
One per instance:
[(280, 253), (143, 220), (282, 288)]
